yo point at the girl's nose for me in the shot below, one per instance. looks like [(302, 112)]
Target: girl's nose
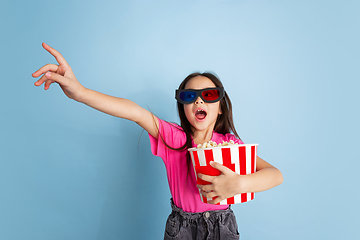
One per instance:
[(199, 101)]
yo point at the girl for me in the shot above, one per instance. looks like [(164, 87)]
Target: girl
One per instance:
[(206, 114)]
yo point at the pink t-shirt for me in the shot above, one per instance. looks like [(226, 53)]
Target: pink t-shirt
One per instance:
[(181, 183)]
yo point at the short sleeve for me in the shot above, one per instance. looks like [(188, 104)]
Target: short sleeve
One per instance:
[(157, 145), (170, 134)]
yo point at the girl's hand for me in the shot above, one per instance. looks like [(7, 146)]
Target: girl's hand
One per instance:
[(61, 74), (227, 184)]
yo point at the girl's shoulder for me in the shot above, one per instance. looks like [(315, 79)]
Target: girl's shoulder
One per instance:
[(170, 129), (172, 133), (170, 125)]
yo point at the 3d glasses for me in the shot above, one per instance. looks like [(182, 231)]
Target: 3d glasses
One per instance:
[(209, 95)]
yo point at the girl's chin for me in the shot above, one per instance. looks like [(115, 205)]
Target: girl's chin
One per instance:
[(201, 126)]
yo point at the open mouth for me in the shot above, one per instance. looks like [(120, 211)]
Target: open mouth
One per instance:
[(200, 114)]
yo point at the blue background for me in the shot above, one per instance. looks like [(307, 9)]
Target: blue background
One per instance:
[(291, 69)]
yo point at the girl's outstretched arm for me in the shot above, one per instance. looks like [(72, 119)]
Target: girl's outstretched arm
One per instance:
[(118, 107)]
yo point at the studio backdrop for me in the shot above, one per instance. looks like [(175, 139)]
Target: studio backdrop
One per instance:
[(291, 69)]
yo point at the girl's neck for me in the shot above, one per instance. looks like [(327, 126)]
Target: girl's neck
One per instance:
[(201, 137)]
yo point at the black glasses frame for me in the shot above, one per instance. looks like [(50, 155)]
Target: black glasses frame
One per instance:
[(199, 94)]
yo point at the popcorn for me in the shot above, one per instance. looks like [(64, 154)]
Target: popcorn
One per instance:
[(210, 144)]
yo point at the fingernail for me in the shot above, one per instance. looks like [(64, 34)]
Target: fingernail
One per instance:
[(48, 74)]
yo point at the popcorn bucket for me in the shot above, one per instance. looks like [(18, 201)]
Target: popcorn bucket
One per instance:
[(239, 158)]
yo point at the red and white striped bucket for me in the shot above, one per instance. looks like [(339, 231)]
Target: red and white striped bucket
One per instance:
[(239, 158)]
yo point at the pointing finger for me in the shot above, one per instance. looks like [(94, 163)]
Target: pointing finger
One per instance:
[(59, 58)]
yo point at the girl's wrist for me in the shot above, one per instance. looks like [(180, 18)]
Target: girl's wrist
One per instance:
[(243, 183), (81, 95)]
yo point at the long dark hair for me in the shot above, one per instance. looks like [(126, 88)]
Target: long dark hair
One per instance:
[(224, 123)]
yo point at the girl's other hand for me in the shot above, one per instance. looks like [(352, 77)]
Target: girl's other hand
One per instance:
[(61, 74), (227, 184)]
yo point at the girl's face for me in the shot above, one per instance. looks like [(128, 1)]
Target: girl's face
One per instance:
[(201, 115)]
